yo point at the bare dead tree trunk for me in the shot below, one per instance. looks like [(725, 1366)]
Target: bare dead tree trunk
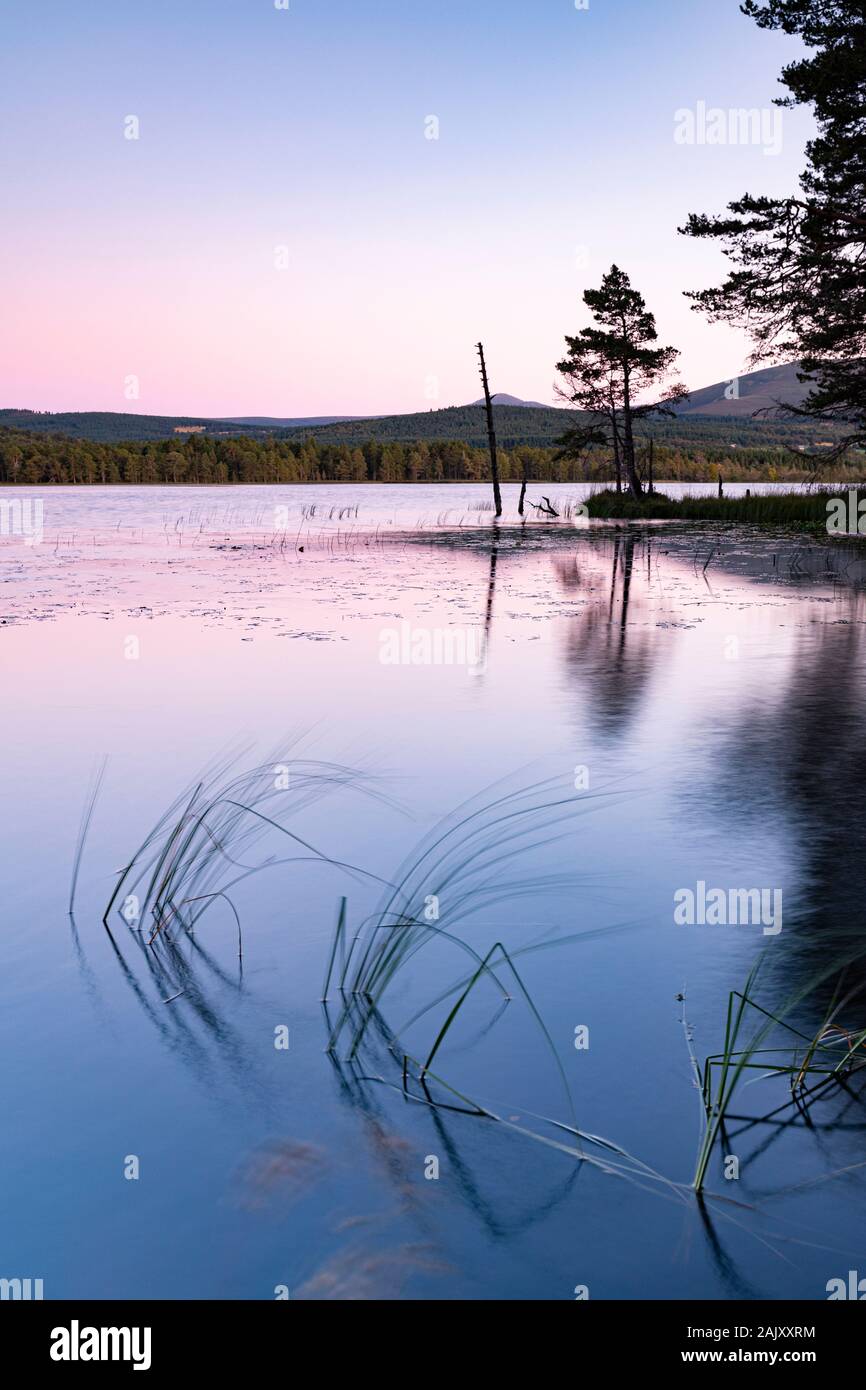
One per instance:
[(491, 435)]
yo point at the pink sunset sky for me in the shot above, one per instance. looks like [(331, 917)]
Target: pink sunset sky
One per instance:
[(283, 239)]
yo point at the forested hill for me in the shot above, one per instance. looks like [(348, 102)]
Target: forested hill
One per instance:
[(515, 424), (748, 394), (516, 427), (542, 428), (110, 427)]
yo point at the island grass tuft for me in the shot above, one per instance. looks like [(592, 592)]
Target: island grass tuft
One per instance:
[(796, 509)]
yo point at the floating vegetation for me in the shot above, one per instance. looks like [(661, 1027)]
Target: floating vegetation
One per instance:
[(281, 1169), (358, 1272)]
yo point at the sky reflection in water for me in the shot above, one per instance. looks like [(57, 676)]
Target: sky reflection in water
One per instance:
[(712, 686)]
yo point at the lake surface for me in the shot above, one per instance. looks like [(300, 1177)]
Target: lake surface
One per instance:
[(541, 735)]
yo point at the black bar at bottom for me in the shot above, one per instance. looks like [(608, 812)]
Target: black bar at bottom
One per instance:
[(80, 1338)]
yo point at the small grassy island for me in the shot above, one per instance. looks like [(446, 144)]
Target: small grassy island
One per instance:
[(804, 509)]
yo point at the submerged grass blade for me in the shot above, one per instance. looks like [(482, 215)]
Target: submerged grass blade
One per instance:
[(337, 943), (86, 817)]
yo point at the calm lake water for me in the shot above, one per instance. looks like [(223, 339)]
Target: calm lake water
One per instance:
[(542, 735)]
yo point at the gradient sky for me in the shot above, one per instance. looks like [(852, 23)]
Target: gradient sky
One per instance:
[(263, 128)]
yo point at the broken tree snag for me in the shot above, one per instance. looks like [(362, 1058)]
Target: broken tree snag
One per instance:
[(491, 435), (544, 506), (522, 495)]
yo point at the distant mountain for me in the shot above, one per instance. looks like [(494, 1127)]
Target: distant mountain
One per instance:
[(275, 422), (721, 414), (749, 393), (502, 398)]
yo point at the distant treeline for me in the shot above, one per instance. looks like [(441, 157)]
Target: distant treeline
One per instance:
[(43, 459)]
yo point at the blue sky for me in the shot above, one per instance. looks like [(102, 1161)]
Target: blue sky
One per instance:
[(304, 130)]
